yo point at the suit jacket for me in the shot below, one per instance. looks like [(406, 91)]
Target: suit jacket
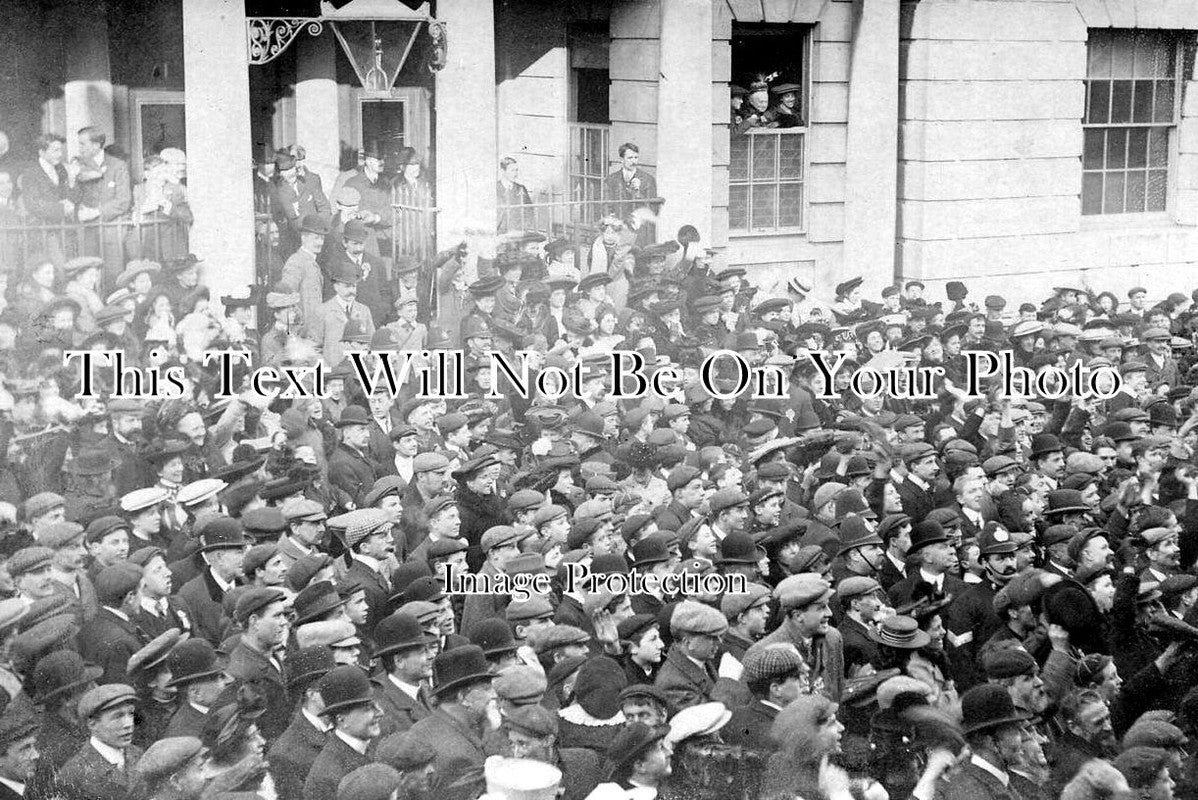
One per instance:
[(110, 191), (108, 641), (378, 592), (975, 783), (831, 656), (330, 322), (43, 198), (87, 776), (685, 682), (750, 726), (251, 667), (186, 721), (291, 203), (903, 592), (351, 472), (400, 712), (917, 502), (623, 197), (301, 274), (460, 756), (203, 597), (336, 760), (153, 625), (859, 649), (888, 574), (292, 755)]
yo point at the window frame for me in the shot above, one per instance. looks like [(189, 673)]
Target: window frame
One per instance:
[(807, 33), (1170, 128)]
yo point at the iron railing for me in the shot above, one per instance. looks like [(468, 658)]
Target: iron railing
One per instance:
[(115, 241), (577, 221)]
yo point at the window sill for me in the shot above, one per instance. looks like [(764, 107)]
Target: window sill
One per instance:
[(735, 234), (1119, 222)]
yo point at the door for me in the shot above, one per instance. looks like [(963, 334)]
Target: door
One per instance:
[(395, 119), (158, 122)]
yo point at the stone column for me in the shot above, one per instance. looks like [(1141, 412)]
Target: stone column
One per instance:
[(87, 91), (871, 191), (316, 126), (466, 145), (684, 117), (219, 152)]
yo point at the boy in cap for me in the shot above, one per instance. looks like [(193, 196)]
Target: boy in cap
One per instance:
[(102, 769), (775, 676), (112, 637)]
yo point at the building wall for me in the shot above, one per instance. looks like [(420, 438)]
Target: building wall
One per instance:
[(990, 143)]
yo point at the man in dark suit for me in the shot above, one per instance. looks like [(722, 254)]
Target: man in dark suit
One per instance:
[(104, 194), (335, 316), (252, 662), (895, 532), (103, 768), (993, 729), (292, 755), (933, 556), (46, 192), (686, 487), (455, 728), (915, 490), (110, 638), (688, 675), (349, 467), (406, 654), (349, 705), (510, 193), (199, 682), (370, 543), (775, 677), (627, 189), (294, 197), (348, 244), (222, 547)]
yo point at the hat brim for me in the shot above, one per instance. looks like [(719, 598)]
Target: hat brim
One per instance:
[(325, 608), (91, 674), (352, 702), (995, 723), (474, 677), (410, 644), (198, 676), (921, 640), (1066, 510)]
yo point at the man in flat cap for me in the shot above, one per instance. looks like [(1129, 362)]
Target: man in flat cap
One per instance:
[(103, 768), (775, 675), (112, 637), (253, 663), (18, 750), (532, 733), (805, 626), (688, 676)]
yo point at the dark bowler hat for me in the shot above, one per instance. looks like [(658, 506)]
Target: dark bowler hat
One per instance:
[(1045, 443), (459, 667), (1065, 501), (61, 672), (354, 415), (222, 533), (739, 548), (631, 743), (926, 533), (314, 223), (347, 272), (988, 706), (494, 636), (355, 231), (485, 287), (192, 660), (315, 600), (308, 664), (346, 686), (398, 632)]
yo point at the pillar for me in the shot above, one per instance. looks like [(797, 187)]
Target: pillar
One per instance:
[(87, 90), (871, 190), (316, 126), (684, 116), (466, 145), (219, 152)]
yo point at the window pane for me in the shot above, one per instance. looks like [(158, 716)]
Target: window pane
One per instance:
[(790, 156), (1135, 191), (790, 205), (764, 207), (765, 156), (1121, 102), (738, 169), (1093, 152), (1137, 147), (1158, 147), (738, 207), (1116, 148), (1092, 193), (1098, 109), (1142, 102), (1112, 202), (1158, 184), (1165, 110), (1100, 54), (1121, 56)]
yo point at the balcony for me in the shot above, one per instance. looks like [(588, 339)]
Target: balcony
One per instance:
[(116, 242)]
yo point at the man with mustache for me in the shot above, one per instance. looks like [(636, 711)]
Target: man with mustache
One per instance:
[(339, 312), (972, 618)]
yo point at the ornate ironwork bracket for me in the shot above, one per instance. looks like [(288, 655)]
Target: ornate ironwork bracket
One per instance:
[(270, 36)]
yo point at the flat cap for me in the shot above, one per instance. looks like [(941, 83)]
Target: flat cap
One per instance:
[(692, 617), (41, 503), (405, 752), (856, 586), (370, 782), (167, 756), (60, 534), (1009, 662), (733, 605), (799, 591), (520, 684), (534, 720), (254, 600), (429, 462), (525, 499), (535, 607), (29, 559), (301, 508), (725, 499), (498, 536), (771, 663), (115, 582), (558, 636), (102, 698), (100, 527), (680, 476)]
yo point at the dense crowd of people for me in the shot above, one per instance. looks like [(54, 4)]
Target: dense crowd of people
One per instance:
[(957, 597)]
